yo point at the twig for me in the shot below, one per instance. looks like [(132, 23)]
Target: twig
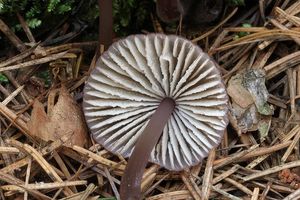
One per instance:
[(63, 167), (266, 190), (155, 184), (34, 62), (12, 37), (294, 195), (292, 89), (282, 27), (233, 158), (27, 178), (98, 158), (146, 183), (88, 191), (208, 175), (225, 174), (112, 184), (9, 150), (272, 170), (181, 194), (12, 95), (293, 10), (195, 192), (291, 147), (13, 118), (225, 194), (255, 194), (14, 181), (43, 186), (26, 28), (23, 162), (216, 27), (239, 186), (288, 17), (18, 57), (43, 163)]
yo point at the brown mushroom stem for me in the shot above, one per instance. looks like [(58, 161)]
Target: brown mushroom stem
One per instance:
[(131, 180), (105, 23)]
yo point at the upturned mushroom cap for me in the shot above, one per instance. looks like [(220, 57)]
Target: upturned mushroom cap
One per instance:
[(134, 76)]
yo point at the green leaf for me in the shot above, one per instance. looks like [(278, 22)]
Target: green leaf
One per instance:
[(52, 5), (3, 78), (242, 34), (9, 6), (64, 8), (1, 6), (131, 3), (34, 11), (125, 21), (245, 25), (45, 75)]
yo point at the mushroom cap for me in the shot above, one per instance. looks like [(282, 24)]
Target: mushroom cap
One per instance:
[(167, 10), (131, 79)]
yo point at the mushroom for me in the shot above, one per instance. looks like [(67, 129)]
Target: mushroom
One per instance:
[(193, 12), (144, 77), (167, 10)]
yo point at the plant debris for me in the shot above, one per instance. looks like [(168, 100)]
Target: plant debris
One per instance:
[(63, 118)]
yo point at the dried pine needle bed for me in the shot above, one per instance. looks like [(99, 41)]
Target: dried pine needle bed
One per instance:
[(258, 157)]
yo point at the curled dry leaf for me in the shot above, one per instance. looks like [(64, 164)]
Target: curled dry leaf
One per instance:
[(254, 82), (65, 117), (249, 95), (249, 88)]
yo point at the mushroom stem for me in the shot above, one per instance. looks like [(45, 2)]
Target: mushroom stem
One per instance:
[(131, 180), (105, 23)]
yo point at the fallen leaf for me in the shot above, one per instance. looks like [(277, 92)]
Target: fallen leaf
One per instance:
[(63, 118), (249, 95), (238, 93), (247, 118), (254, 82)]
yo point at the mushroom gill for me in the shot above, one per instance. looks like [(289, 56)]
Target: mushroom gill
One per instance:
[(134, 76)]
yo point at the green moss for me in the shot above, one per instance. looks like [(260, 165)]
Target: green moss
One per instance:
[(130, 16), (242, 34), (35, 12)]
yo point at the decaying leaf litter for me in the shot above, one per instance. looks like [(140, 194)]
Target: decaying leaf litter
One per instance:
[(257, 159)]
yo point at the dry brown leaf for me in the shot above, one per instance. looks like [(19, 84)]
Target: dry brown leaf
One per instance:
[(65, 117), (238, 93)]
